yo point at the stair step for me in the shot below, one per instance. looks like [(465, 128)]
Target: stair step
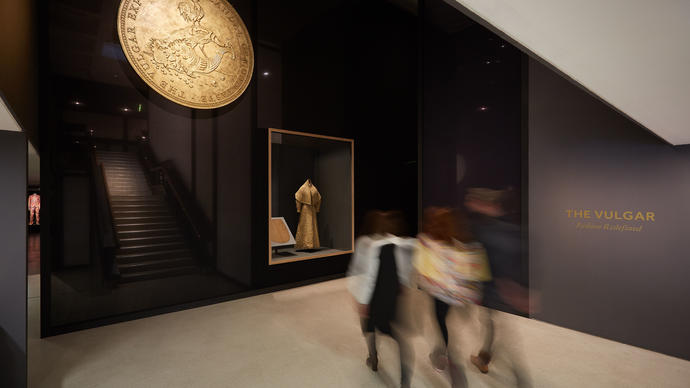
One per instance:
[(147, 188), (120, 156), (105, 159), (132, 209), (117, 159), (128, 184), (123, 189), (131, 182), (146, 247), (136, 226), (133, 165), (124, 193), (134, 206), (102, 152), (163, 238), (147, 232), (124, 174), (138, 185), (128, 189), (127, 181), (127, 178), (146, 206), (142, 212), (133, 219), (142, 266), (125, 258), (133, 200), (159, 273), (123, 166), (144, 221)]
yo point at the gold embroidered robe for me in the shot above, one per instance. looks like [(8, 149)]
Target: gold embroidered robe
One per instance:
[(308, 202)]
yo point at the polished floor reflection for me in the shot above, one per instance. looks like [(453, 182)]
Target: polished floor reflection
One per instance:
[(309, 337), (33, 253)]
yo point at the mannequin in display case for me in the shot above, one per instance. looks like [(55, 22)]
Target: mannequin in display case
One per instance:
[(34, 206), (308, 202)]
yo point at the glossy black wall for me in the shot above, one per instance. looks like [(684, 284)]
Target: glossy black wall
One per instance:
[(472, 108), (345, 68), (13, 294), (348, 70)]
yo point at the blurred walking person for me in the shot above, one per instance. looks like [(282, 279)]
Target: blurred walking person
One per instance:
[(450, 267), (507, 291), (379, 273)]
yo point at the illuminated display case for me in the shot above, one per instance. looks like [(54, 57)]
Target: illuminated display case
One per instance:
[(311, 187)]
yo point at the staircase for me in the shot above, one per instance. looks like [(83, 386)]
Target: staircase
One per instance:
[(152, 244)]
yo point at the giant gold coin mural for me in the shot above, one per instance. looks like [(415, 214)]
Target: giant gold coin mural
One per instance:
[(196, 53)]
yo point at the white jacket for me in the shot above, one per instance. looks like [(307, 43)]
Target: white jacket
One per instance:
[(364, 267)]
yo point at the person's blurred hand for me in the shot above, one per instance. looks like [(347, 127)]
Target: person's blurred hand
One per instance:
[(363, 310), (514, 294)]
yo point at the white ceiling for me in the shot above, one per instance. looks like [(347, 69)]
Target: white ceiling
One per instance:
[(633, 54), (33, 166), (9, 123), (7, 120)]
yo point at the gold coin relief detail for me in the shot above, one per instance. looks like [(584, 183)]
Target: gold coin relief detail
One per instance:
[(196, 53)]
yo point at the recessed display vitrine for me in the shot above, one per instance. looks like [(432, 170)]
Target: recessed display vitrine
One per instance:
[(310, 196)]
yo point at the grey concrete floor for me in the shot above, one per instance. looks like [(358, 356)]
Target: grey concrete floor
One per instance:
[(310, 337)]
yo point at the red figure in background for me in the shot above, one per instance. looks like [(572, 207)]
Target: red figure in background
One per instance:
[(34, 205)]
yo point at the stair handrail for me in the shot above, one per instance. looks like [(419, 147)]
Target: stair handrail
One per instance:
[(104, 214), (166, 174), (166, 178)]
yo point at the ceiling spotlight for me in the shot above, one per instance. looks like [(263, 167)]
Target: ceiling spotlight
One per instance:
[(487, 62), (503, 46), (483, 108), (125, 109), (77, 102), (266, 73)]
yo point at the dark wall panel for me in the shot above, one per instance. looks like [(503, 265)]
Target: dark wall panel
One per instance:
[(629, 286), (204, 164), (13, 259), (76, 226), (471, 108), (170, 130), (234, 190)]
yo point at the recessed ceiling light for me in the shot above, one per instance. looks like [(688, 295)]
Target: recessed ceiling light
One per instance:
[(266, 73), (483, 108)]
